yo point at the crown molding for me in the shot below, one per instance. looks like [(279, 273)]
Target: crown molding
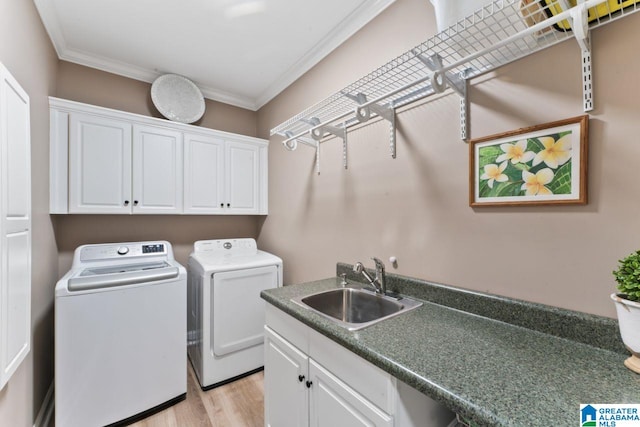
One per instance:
[(341, 32)]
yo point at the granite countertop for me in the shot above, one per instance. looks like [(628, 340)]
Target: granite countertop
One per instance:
[(491, 372)]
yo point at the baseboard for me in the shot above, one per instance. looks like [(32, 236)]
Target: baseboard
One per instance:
[(46, 409)]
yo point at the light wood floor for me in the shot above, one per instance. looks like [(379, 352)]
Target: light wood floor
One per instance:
[(237, 404)]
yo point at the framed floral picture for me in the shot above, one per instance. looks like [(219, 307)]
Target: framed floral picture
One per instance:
[(539, 165)]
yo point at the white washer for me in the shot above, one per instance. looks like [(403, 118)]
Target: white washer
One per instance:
[(226, 313), (120, 334)]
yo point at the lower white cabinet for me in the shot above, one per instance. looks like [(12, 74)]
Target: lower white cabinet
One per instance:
[(286, 394), (310, 380), (334, 403)]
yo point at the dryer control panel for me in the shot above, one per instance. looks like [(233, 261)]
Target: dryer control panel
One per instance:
[(225, 246)]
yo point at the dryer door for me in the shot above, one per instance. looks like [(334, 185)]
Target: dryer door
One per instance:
[(238, 310)]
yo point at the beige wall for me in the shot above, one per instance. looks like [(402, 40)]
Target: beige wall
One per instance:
[(26, 51), (75, 230), (83, 84), (416, 207), (91, 86)]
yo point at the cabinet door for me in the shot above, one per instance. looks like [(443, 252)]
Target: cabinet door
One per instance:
[(99, 165), (334, 404), (157, 170), (203, 174), (15, 226), (243, 178), (286, 401)]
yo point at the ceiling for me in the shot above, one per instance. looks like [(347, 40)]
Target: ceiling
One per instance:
[(241, 52)]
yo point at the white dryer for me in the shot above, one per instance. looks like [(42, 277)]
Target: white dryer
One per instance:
[(226, 314)]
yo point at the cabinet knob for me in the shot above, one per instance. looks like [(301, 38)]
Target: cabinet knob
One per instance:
[(228, 205), (135, 203), (222, 205), (300, 378), (126, 203), (308, 383)]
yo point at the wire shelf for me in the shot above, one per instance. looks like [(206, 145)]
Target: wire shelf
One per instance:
[(499, 33)]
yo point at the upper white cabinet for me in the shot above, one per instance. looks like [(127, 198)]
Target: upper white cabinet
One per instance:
[(15, 226), (224, 176), (105, 161), (242, 177), (204, 184), (157, 170), (99, 165)]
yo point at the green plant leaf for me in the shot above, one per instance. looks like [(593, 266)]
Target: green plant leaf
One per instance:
[(483, 188), (628, 276), (513, 172), (561, 183), (488, 155), (510, 189), (534, 144)]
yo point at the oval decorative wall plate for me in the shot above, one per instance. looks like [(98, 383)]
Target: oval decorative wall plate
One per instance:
[(177, 98)]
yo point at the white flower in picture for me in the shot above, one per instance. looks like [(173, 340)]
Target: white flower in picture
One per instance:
[(493, 173), (516, 152), (555, 153), (534, 184)]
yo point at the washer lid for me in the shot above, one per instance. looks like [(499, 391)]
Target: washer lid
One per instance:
[(121, 275)]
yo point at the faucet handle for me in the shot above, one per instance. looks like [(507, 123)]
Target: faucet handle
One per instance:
[(344, 282), (358, 267)]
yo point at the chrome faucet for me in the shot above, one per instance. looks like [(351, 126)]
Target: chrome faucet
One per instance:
[(379, 282)]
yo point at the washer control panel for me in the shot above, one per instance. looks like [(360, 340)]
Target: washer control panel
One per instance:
[(122, 250), (153, 249)]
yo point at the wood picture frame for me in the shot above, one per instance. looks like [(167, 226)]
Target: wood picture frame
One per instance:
[(539, 165)]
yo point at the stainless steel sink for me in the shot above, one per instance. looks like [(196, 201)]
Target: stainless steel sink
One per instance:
[(356, 308)]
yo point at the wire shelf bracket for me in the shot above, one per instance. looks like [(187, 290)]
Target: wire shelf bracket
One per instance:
[(363, 114), (441, 80), (580, 24), (497, 34)]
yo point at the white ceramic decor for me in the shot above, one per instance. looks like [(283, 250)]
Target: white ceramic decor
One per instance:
[(629, 320), (448, 12), (177, 98)]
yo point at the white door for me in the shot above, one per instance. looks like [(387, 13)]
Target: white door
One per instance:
[(243, 178), (286, 397), (236, 289), (157, 170), (203, 174), (15, 226), (99, 165), (334, 404)]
